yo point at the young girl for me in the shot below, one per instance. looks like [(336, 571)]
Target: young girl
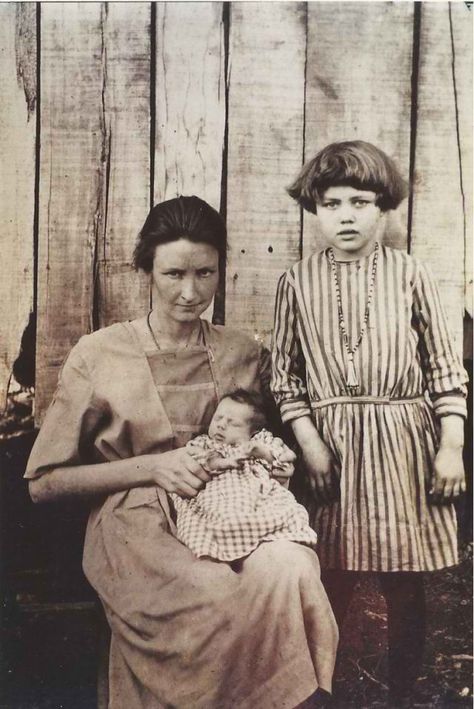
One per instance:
[(243, 506), (365, 371)]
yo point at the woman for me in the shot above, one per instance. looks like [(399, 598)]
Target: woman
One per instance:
[(186, 632)]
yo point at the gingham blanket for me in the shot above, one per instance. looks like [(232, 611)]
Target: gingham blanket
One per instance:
[(241, 507)]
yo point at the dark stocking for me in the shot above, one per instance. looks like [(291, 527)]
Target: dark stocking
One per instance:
[(405, 597), (339, 587)]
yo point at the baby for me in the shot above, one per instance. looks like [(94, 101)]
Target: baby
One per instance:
[(245, 505)]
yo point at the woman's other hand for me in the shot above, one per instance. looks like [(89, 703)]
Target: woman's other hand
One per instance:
[(177, 471)]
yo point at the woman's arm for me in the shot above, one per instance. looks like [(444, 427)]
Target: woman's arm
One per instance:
[(174, 471)]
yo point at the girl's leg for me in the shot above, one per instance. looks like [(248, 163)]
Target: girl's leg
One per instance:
[(406, 610), (339, 587)]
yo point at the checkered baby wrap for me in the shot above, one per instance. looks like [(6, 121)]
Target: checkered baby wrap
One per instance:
[(241, 507)]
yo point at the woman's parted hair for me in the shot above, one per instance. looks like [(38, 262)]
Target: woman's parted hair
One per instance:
[(354, 163), (181, 217)]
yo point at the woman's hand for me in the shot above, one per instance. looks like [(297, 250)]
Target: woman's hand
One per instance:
[(177, 471), (448, 480)]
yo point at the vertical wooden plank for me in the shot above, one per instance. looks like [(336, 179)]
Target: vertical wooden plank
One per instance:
[(72, 179), (190, 100), (461, 28), (266, 114), (358, 87), (438, 218), (17, 178), (126, 104)]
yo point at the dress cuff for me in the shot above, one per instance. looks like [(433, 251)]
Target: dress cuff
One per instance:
[(448, 404), (294, 409)]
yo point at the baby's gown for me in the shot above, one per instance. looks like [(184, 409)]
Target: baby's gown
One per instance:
[(384, 438), (241, 507)]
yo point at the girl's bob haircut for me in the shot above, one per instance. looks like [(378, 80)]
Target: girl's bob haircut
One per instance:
[(179, 218), (353, 163)]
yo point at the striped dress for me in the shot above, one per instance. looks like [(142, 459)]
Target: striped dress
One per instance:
[(385, 437)]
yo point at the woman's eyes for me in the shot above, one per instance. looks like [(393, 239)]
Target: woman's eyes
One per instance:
[(201, 273)]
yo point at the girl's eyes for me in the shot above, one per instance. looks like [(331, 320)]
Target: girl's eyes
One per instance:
[(356, 203), (205, 272)]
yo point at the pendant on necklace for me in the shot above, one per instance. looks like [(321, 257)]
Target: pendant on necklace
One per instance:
[(351, 380)]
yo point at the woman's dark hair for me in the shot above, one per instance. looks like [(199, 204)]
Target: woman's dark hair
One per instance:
[(254, 401), (182, 217), (353, 163)]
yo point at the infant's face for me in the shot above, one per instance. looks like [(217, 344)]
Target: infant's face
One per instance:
[(231, 423)]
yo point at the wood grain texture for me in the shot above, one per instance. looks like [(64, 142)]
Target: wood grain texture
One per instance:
[(461, 29), (266, 114), (190, 100), (358, 87), (17, 178), (122, 294), (438, 215), (72, 181)]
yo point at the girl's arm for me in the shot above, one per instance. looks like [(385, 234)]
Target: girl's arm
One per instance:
[(288, 367), (448, 479), (446, 384), (289, 390)]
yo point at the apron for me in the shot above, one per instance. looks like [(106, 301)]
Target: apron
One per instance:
[(185, 375)]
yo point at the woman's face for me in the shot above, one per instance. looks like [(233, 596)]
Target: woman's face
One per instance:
[(349, 219), (186, 275)]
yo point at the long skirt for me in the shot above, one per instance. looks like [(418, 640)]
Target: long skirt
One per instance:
[(196, 633)]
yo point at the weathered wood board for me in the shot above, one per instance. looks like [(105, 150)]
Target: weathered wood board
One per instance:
[(122, 294), (72, 181), (190, 100), (358, 87), (462, 33), (265, 129), (438, 215), (18, 81)]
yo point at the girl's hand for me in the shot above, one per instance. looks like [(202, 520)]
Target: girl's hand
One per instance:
[(177, 471), (448, 480), (319, 464)]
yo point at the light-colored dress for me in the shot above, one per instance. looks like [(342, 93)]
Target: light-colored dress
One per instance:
[(384, 438), (186, 633), (240, 508)]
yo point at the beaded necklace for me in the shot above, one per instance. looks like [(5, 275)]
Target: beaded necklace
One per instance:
[(352, 382)]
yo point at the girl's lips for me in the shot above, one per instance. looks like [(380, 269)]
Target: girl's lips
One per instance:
[(351, 232)]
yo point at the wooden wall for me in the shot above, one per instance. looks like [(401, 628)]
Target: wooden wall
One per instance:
[(109, 107)]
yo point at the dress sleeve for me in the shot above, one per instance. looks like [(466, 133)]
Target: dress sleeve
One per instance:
[(444, 374), (288, 366), (71, 423)]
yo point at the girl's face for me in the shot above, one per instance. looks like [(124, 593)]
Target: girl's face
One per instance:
[(349, 220), (186, 275)]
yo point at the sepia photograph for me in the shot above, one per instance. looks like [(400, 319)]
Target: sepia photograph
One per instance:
[(236, 354)]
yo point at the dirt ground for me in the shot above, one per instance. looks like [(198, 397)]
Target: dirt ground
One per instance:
[(49, 619)]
